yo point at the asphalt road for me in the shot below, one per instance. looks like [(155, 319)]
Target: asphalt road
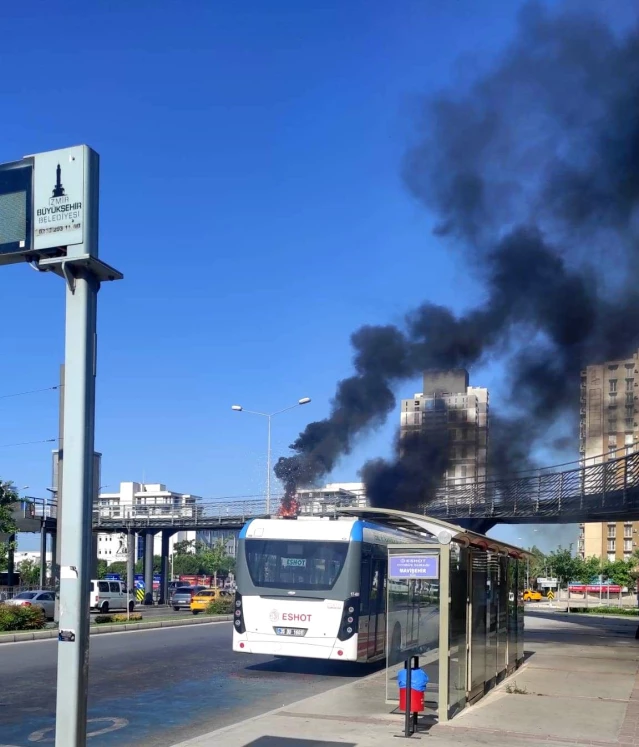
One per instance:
[(156, 688)]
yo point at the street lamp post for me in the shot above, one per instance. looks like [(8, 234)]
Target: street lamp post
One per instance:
[(268, 416)]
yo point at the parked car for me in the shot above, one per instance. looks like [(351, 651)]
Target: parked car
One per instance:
[(44, 600), (532, 596), (109, 595), (182, 596)]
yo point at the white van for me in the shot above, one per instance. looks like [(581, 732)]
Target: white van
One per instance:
[(109, 595)]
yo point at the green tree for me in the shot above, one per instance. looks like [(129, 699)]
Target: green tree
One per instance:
[(187, 565), (563, 565), (8, 496), (537, 564), (620, 572), (214, 559), (119, 566), (102, 568), (29, 572), (185, 547), (586, 570), (198, 559), (157, 565)]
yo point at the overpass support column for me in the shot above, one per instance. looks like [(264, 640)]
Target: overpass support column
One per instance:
[(164, 568), (53, 575), (11, 563), (130, 561), (43, 556), (94, 555), (149, 537)]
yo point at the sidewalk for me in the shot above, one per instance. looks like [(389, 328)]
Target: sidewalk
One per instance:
[(579, 686)]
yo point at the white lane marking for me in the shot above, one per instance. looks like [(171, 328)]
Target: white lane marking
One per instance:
[(115, 724)]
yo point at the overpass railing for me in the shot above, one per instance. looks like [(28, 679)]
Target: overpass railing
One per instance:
[(576, 493), (193, 514), (611, 486), (197, 514)]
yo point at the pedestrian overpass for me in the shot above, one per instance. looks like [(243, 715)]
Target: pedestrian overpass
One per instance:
[(600, 491)]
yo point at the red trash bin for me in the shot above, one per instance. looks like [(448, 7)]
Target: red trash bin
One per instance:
[(416, 700)]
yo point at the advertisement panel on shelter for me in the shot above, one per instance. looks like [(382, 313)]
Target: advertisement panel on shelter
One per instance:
[(413, 604)]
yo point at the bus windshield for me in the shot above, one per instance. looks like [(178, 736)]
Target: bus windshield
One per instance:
[(295, 564)]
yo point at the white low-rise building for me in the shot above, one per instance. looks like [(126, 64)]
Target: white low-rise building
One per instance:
[(318, 500), (141, 500), (34, 555)]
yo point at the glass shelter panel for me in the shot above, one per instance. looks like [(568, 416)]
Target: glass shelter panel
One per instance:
[(512, 614), (502, 618), (412, 627), (458, 628), (521, 581), (492, 612), (478, 632)]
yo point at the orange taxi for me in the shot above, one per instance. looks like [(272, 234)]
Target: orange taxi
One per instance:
[(201, 600)]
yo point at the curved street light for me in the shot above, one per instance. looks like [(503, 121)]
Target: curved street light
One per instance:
[(268, 416)]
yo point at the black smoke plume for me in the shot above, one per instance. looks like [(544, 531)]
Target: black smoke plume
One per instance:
[(532, 174)]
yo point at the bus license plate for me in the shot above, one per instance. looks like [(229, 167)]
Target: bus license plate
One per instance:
[(291, 631)]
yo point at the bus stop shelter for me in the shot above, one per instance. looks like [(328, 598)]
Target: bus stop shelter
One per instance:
[(455, 600)]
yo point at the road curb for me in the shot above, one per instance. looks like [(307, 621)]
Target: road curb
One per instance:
[(597, 615), (42, 635)]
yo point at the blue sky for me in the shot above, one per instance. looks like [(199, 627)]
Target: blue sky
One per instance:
[(250, 193)]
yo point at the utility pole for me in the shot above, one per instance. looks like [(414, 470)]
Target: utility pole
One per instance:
[(268, 469)]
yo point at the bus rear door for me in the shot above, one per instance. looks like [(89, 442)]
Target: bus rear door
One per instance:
[(377, 619)]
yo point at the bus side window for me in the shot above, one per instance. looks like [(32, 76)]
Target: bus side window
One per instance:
[(365, 585)]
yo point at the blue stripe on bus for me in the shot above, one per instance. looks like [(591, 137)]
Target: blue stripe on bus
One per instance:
[(357, 531), (244, 529)]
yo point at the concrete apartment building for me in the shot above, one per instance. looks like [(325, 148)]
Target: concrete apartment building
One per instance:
[(609, 428), (448, 403), (142, 499)]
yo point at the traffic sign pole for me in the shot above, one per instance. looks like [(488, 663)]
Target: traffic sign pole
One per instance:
[(49, 218), (79, 414)]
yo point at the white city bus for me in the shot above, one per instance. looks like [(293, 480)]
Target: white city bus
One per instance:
[(315, 588)]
